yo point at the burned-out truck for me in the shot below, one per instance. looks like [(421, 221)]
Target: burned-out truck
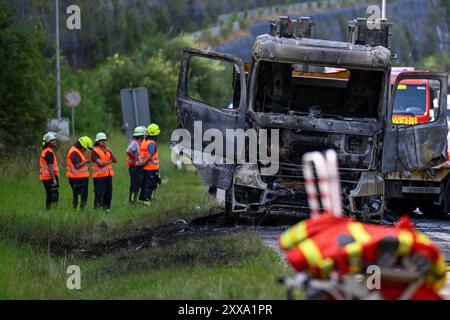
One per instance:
[(320, 95)]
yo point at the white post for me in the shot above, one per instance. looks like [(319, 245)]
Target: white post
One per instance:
[(383, 10), (58, 68), (73, 125), (136, 116)]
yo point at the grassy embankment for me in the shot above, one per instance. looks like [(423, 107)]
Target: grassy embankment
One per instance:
[(235, 266), (23, 215)]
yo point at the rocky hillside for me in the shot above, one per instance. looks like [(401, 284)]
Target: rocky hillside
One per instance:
[(110, 26), (420, 29)]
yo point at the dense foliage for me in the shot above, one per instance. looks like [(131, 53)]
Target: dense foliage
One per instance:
[(155, 65), (437, 62), (139, 54), (24, 83), (114, 26), (27, 87)]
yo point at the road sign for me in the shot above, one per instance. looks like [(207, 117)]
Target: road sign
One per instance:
[(135, 109), (72, 99), (60, 127)]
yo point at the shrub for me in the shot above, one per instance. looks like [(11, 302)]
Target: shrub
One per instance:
[(25, 94)]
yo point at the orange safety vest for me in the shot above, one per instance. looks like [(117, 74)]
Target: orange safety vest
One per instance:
[(44, 172), (132, 162), (153, 164), (99, 171), (72, 172)]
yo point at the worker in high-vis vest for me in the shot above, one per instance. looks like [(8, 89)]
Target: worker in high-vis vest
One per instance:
[(150, 164), (102, 171), (78, 171), (134, 163), (49, 171)]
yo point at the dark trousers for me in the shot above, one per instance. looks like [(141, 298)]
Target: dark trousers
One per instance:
[(103, 192), (52, 194), (79, 189), (148, 184), (135, 182)]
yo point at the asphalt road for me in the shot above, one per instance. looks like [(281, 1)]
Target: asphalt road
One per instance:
[(439, 232)]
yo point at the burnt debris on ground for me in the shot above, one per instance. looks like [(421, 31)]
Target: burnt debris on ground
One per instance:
[(151, 236), (145, 237)]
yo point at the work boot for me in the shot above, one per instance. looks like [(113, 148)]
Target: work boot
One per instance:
[(132, 199), (145, 203)]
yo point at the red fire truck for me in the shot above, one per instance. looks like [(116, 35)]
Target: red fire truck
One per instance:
[(413, 103)]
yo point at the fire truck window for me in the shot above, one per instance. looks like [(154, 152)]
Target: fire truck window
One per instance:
[(213, 82), (416, 101)]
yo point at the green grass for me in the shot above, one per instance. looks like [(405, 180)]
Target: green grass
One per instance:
[(236, 266), (22, 206), (28, 272)]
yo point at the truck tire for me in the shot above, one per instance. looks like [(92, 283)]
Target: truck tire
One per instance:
[(229, 216), (401, 206), (429, 209)]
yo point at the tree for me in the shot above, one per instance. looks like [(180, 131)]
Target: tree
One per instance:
[(24, 84)]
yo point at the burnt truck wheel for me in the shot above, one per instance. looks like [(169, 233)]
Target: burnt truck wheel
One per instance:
[(229, 215), (401, 206), (429, 209)]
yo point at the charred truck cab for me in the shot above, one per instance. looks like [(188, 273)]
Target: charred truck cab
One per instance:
[(319, 95)]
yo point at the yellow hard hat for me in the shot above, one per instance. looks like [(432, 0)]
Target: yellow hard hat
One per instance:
[(86, 142), (153, 130)]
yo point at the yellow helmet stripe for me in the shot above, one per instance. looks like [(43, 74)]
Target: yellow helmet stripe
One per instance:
[(354, 252), (294, 235), (405, 242), (422, 238), (311, 252), (358, 232)]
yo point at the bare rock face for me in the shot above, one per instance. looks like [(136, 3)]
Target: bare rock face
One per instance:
[(420, 28), (110, 26)]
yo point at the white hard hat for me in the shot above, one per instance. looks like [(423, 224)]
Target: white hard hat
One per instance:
[(139, 131), (49, 136), (100, 136)]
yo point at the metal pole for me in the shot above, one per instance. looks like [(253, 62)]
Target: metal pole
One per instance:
[(136, 118), (73, 125), (58, 68), (383, 10)]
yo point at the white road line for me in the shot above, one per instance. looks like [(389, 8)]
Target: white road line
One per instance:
[(439, 235)]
